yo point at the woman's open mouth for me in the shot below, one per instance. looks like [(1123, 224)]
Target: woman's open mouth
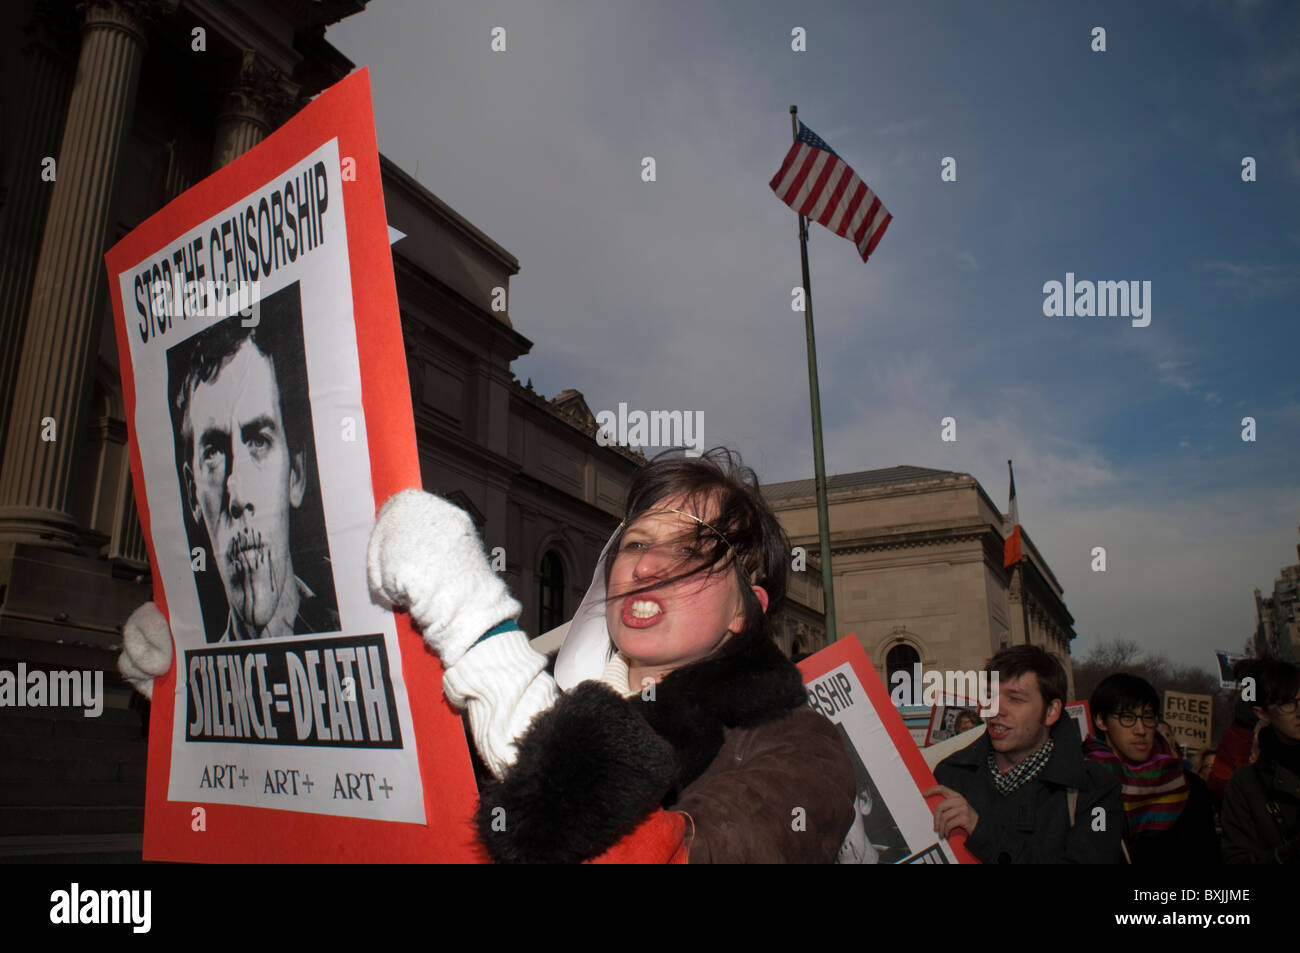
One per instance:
[(641, 612)]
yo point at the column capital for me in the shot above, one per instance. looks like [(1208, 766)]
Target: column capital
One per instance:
[(258, 92), (133, 17)]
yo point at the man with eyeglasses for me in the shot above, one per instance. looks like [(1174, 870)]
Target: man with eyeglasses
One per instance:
[(1261, 811), (1168, 815)]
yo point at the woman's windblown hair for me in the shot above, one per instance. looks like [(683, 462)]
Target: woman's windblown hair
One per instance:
[(748, 541)]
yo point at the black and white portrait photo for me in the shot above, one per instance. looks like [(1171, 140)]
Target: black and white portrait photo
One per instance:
[(246, 463), (874, 837), (950, 721)]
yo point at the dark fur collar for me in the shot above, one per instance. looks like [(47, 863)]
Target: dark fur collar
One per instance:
[(594, 765), (748, 685)]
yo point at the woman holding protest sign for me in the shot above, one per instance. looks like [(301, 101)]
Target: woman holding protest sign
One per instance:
[(669, 691), (673, 728)]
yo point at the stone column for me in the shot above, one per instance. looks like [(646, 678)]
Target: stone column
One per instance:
[(36, 476), (45, 76), (258, 98)]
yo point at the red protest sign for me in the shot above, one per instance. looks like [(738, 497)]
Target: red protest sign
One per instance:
[(269, 417), (843, 685)]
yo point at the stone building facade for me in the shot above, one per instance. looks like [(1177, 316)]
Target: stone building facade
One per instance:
[(132, 113), (528, 469), (917, 559), (1277, 616)]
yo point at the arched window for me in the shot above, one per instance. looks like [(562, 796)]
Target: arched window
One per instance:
[(901, 658), (550, 593)]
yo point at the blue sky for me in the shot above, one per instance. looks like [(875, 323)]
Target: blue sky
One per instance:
[(1122, 165)]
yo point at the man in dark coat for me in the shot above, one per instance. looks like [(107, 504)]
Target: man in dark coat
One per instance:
[(1023, 792), (1261, 810)]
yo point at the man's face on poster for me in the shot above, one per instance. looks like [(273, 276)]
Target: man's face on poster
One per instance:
[(242, 482)]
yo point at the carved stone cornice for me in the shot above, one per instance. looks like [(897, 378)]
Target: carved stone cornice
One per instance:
[(573, 418), (917, 540), (53, 31)]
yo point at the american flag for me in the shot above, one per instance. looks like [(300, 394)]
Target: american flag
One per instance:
[(819, 185)]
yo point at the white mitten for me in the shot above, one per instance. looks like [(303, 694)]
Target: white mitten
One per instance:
[(146, 648), (425, 556)]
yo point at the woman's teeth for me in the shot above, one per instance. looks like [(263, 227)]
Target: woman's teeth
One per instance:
[(644, 609)]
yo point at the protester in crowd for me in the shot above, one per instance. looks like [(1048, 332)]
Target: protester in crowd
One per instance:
[(1207, 765), (1261, 810), (1168, 816), (669, 691), (1023, 792), (1167, 732), (1238, 738)]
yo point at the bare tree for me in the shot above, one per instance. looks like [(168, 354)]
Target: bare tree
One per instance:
[(1115, 653)]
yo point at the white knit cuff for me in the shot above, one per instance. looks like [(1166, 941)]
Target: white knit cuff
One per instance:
[(468, 622), (502, 684)]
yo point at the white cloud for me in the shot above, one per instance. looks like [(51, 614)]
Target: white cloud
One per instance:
[(676, 294), (1171, 373), (1255, 279), (1180, 573)]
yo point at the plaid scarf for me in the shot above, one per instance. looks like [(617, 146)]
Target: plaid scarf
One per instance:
[(1022, 773), (1155, 792)]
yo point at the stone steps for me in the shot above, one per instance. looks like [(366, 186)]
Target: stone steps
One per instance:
[(71, 849), (80, 820)]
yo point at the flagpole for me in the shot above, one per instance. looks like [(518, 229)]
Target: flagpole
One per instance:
[(1020, 565), (819, 465), (1024, 600)]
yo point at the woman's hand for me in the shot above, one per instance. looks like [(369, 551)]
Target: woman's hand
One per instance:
[(146, 648), (425, 556)]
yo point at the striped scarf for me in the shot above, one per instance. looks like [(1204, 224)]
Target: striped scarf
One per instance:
[(1155, 792)]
